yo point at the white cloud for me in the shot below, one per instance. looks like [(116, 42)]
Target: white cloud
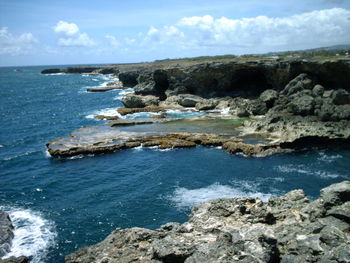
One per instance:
[(113, 41), (258, 34), (66, 28), (73, 38), (163, 35), (82, 40), (15, 45)]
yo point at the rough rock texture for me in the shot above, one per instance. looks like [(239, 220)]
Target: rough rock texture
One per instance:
[(21, 259), (285, 229), (137, 101), (6, 233)]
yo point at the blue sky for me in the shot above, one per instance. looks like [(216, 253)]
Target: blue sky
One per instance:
[(85, 32)]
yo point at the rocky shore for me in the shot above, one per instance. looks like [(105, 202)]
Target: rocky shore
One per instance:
[(289, 228), (288, 104)]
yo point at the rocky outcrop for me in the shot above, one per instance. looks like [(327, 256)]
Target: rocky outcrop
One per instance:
[(6, 233), (137, 101), (21, 259), (306, 109), (284, 229)]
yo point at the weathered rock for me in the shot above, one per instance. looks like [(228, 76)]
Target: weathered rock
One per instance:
[(6, 233), (269, 96), (21, 259), (137, 101), (340, 97), (284, 229), (188, 100), (303, 105), (318, 90), (301, 82), (206, 104), (124, 111), (129, 78)]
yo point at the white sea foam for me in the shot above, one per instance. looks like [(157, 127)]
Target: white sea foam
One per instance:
[(123, 92), (47, 154), (33, 235), (9, 158), (328, 158), (106, 112), (187, 198), (56, 74), (1, 146), (225, 111), (302, 169)]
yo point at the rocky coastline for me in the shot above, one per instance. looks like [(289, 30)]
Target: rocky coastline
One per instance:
[(287, 103), (289, 228)]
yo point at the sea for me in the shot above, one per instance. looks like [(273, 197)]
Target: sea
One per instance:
[(59, 205)]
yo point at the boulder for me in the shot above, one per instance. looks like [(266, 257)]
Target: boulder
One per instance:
[(303, 105), (137, 101), (269, 96), (340, 97), (186, 100), (318, 90), (299, 83), (258, 107)]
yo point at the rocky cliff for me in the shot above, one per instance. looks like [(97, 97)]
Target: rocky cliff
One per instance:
[(284, 229)]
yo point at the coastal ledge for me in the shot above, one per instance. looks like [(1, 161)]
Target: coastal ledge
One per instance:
[(285, 229)]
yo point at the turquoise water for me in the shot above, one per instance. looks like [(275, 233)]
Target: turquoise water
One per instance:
[(60, 205)]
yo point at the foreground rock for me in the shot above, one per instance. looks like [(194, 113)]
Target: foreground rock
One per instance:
[(6, 233), (285, 229), (6, 236)]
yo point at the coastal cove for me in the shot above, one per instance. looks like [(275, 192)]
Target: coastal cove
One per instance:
[(70, 202)]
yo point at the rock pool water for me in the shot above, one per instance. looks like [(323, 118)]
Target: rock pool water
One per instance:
[(60, 205)]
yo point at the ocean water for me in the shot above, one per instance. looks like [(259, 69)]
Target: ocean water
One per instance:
[(60, 205)]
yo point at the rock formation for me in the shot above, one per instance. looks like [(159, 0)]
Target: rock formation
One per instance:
[(284, 229), (6, 233)]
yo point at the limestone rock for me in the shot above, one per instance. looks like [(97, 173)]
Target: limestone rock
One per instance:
[(284, 229)]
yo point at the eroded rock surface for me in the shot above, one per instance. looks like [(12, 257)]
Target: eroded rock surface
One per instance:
[(6, 233), (285, 229)]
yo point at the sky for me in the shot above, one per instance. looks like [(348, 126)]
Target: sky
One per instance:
[(39, 32)]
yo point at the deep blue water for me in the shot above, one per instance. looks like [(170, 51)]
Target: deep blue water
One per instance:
[(66, 204)]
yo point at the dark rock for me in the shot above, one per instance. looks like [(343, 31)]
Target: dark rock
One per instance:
[(301, 82), (258, 107), (269, 96), (51, 71), (21, 259), (318, 90), (303, 105), (6, 233), (341, 97), (129, 78), (336, 194), (243, 113)]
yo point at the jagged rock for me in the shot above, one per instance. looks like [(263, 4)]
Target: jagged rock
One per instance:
[(341, 97), (6, 233), (303, 105), (129, 78), (284, 229), (21, 259), (301, 82), (318, 90), (258, 107), (269, 96), (137, 101)]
